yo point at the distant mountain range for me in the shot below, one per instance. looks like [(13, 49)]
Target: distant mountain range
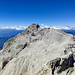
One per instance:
[(15, 27), (5, 34), (67, 29), (9, 32), (59, 27), (42, 26), (64, 27)]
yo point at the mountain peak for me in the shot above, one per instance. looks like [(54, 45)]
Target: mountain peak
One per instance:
[(42, 53), (32, 28)]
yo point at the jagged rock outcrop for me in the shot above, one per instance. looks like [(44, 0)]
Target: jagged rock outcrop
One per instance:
[(39, 51)]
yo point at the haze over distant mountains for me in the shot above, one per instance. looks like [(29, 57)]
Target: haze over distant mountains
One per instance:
[(64, 27), (16, 28), (5, 34), (42, 26)]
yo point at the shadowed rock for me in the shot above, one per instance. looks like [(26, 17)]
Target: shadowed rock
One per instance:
[(32, 28)]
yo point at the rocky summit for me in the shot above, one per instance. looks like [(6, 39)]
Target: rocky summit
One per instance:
[(39, 51)]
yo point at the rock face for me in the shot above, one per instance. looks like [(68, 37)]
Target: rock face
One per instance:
[(39, 51)]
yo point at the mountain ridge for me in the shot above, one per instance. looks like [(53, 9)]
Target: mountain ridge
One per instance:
[(38, 51)]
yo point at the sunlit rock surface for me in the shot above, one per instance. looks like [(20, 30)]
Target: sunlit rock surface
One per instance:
[(39, 51)]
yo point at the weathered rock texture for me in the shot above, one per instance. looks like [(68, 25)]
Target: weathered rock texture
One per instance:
[(39, 51)]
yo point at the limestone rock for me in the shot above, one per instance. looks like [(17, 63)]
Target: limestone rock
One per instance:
[(38, 51)]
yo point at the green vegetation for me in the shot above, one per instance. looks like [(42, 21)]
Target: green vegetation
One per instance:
[(11, 40), (9, 44)]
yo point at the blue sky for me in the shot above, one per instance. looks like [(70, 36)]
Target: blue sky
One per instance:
[(47, 12)]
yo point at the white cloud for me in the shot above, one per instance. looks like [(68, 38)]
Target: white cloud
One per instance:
[(15, 27), (64, 27), (44, 26), (58, 27)]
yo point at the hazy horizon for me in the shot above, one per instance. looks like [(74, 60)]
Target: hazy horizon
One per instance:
[(41, 26)]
